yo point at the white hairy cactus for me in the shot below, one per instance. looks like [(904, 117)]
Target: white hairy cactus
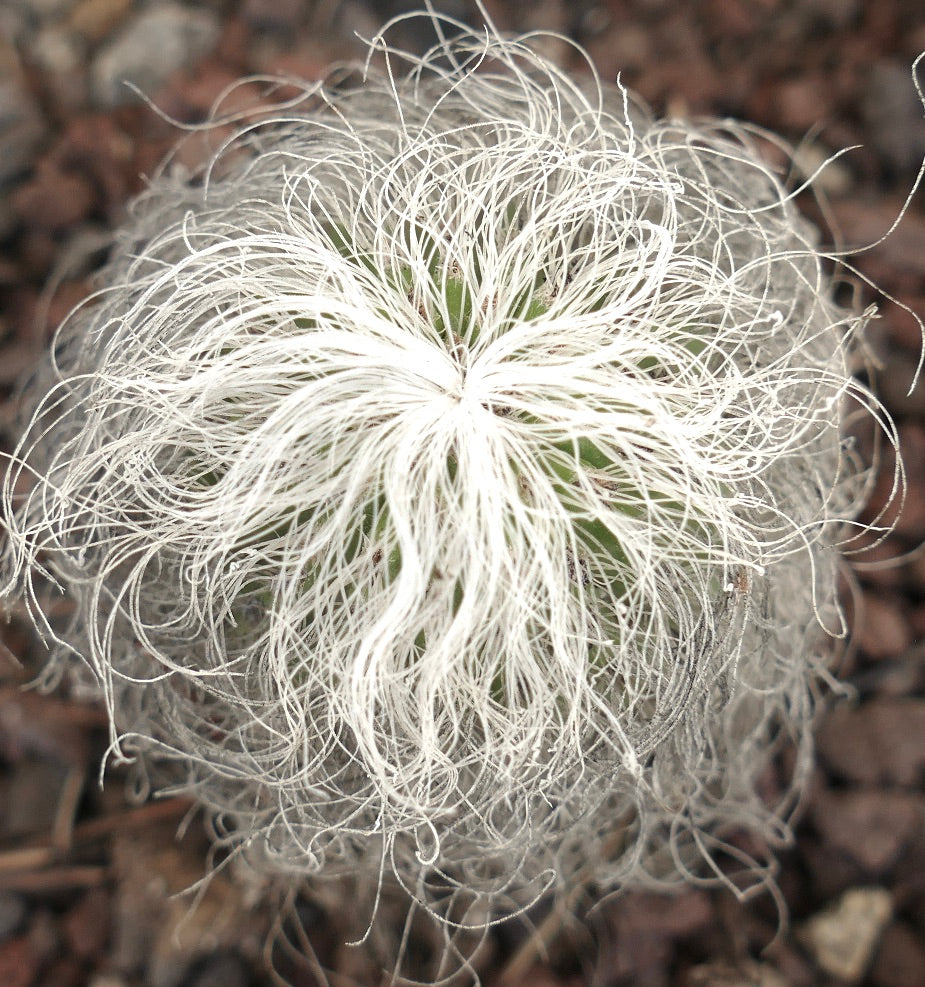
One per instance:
[(449, 480)]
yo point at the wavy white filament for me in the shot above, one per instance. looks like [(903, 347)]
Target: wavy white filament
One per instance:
[(452, 470)]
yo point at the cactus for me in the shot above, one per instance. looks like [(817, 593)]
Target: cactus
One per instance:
[(451, 474)]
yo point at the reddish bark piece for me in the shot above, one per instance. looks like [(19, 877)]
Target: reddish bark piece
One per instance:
[(96, 19), (16, 361), (900, 960), (644, 924), (66, 972), (900, 320), (96, 146), (874, 560), (872, 827), (54, 199), (917, 623), (31, 723), (911, 523), (863, 223), (883, 629), (895, 378), (86, 926), (901, 504), (196, 93), (882, 741), (17, 964), (672, 916), (831, 872)]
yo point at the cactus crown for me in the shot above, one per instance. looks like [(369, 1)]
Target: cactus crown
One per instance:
[(453, 469)]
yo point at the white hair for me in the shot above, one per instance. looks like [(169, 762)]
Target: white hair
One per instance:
[(449, 478)]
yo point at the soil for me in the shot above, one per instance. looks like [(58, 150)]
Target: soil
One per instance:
[(88, 874)]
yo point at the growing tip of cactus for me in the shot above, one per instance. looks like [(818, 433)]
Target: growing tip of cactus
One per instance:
[(450, 478)]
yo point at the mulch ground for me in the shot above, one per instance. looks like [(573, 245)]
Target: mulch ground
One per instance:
[(87, 875)]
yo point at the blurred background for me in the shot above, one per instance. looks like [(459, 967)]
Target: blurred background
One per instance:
[(87, 874)]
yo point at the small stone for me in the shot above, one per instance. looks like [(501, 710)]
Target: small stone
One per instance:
[(95, 19), (872, 827), (900, 960), (883, 629), (44, 938), (56, 50), (61, 54), (843, 938), (878, 742), (149, 49)]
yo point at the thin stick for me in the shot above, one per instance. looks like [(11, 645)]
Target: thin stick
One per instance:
[(62, 830), (55, 879), (30, 858)]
